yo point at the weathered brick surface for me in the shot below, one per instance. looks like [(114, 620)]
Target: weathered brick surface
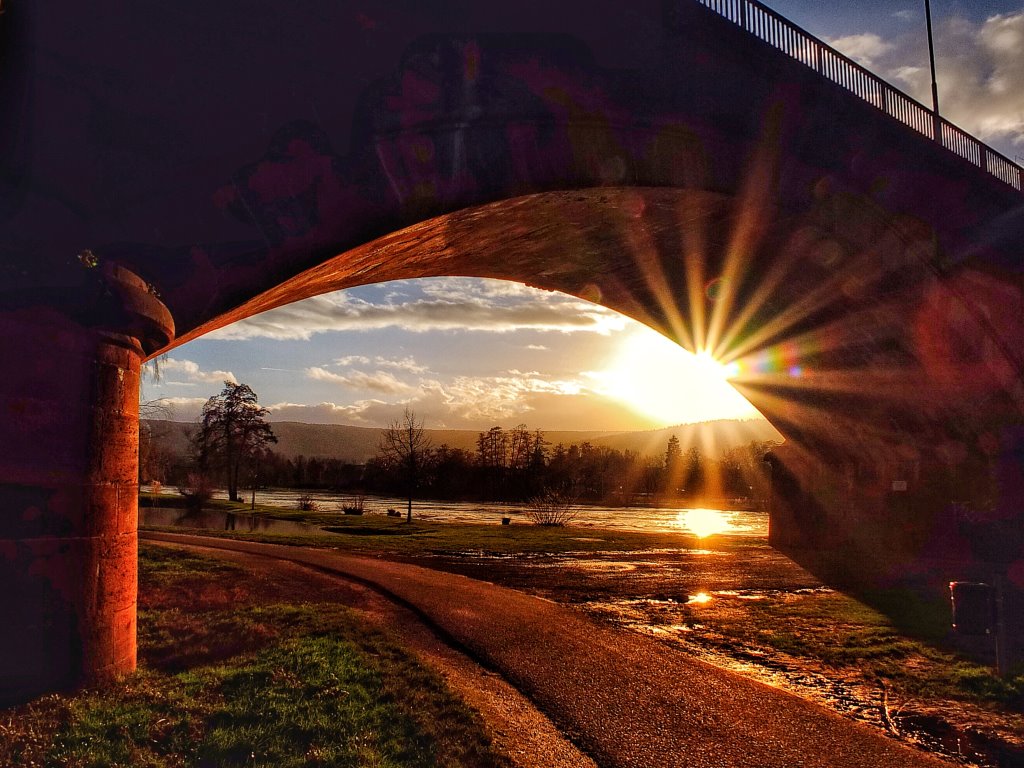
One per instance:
[(68, 506)]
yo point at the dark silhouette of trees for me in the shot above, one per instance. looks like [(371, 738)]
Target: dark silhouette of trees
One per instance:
[(694, 472), (672, 467), (232, 433), (404, 444), (515, 465)]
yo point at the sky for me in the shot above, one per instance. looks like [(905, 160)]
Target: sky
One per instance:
[(469, 354)]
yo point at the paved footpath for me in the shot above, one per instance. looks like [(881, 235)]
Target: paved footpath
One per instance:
[(627, 700)]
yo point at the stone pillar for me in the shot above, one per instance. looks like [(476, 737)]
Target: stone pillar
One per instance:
[(71, 354)]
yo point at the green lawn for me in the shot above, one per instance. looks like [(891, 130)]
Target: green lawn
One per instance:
[(232, 673)]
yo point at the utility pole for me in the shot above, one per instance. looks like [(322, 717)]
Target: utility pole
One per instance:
[(931, 59)]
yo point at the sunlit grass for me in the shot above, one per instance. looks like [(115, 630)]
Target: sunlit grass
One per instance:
[(280, 684)]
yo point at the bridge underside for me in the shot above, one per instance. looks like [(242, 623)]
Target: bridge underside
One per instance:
[(866, 282), (885, 373)]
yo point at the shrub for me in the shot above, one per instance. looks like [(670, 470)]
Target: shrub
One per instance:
[(307, 504), (551, 507), (196, 490), (354, 506)]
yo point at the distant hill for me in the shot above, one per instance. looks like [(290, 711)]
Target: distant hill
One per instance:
[(357, 444)]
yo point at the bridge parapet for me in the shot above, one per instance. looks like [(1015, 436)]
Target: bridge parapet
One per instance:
[(783, 35)]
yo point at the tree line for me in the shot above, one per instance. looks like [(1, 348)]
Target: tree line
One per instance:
[(517, 464), (231, 446)]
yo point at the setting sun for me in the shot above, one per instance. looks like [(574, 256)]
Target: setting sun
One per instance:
[(659, 379)]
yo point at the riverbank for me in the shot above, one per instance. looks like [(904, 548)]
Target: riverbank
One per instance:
[(738, 603)]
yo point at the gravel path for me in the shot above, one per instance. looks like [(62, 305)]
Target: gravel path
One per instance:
[(625, 699)]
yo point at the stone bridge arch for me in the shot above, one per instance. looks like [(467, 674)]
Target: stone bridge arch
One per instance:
[(183, 168)]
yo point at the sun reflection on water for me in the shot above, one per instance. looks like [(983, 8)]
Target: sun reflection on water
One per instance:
[(704, 522)]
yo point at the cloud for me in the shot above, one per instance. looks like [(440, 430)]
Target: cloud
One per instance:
[(464, 305), (906, 15), (980, 71), (353, 360), (192, 373), (547, 410), (330, 413), (379, 381), (479, 402), (178, 408), (864, 48), (405, 364)]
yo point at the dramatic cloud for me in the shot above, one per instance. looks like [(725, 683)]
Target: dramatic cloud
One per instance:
[(465, 305)]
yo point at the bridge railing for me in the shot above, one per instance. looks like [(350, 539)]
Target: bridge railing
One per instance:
[(782, 34)]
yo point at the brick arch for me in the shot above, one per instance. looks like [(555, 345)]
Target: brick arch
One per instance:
[(238, 155)]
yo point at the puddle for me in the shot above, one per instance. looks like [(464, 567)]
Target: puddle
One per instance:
[(840, 691)]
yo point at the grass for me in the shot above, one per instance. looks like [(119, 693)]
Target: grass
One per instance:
[(873, 635), (891, 634), (842, 633), (234, 674)]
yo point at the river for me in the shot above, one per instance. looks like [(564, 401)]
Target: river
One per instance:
[(647, 519)]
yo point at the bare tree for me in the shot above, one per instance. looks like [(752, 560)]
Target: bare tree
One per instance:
[(404, 444)]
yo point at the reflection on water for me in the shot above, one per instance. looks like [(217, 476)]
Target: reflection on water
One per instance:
[(647, 519), (221, 521), (705, 522)]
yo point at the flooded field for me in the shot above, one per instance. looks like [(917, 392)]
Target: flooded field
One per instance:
[(647, 519)]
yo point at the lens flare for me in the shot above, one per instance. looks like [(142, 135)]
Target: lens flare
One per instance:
[(660, 380)]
